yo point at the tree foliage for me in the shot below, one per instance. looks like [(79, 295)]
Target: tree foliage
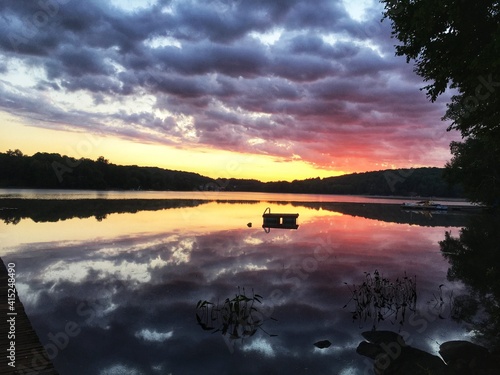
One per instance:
[(54, 171), (456, 44), (453, 42), (475, 260), (476, 164)]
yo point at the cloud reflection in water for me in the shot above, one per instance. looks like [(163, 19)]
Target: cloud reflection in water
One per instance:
[(134, 296)]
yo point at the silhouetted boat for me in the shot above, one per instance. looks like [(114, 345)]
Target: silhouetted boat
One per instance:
[(424, 205)]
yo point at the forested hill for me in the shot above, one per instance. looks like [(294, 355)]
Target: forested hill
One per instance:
[(54, 171), (425, 182)]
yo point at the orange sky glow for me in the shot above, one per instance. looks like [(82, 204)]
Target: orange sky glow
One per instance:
[(269, 91)]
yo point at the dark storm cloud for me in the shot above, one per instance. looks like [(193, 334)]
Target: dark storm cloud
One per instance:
[(233, 61), (321, 15), (287, 71), (314, 45), (222, 21)]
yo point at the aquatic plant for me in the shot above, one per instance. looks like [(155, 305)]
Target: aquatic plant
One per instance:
[(378, 299), (238, 317), (461, 308)]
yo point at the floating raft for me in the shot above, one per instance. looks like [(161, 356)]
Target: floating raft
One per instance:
[(279, 220), (31, 357)]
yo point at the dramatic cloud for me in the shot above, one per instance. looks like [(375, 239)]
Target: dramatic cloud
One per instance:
[(290, 79)]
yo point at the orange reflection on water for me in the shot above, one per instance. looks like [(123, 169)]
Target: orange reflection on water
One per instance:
[(205, 218), (362, 237)]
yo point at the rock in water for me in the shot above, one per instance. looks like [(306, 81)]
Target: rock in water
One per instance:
[(464, 357), (369, 350), (384, 337), (323, 344), (456, 350), (392, 356)]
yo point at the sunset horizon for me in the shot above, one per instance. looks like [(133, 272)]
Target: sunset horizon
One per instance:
[(250, 186), (233, 169), (223, 89)]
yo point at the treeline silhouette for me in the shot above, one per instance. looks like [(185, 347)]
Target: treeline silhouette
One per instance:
[(55, 171), (424, 182)]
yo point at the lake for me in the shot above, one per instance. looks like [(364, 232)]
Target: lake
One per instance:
[(198, 286)]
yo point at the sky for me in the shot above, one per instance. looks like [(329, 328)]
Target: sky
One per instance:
[(272, 90)]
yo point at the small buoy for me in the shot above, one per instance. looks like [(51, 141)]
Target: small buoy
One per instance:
[(249, 225)]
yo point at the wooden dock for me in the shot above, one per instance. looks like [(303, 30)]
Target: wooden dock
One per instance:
[(279, 220), (30, 356)]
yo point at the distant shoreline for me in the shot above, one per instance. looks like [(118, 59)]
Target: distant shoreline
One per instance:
[(417, 198), (55, 171), (14, 210)]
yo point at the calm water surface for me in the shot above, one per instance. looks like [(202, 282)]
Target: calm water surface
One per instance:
[(129, 285), (205, 195)]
